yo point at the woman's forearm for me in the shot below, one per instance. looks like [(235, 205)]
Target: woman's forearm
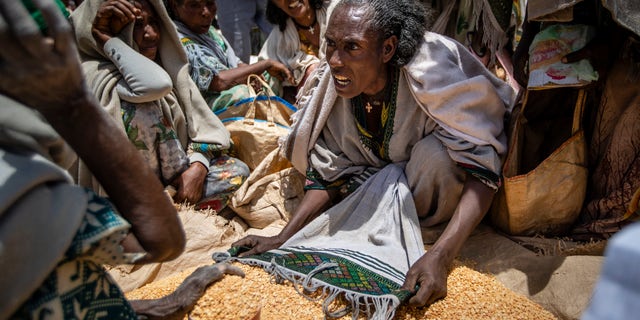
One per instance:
[(312, 205), (474, 204), (228, 78)]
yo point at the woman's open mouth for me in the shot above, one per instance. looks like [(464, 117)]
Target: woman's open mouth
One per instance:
[(341, 80)]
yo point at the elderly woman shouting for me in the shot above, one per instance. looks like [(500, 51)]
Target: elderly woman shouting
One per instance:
[(395, 106)]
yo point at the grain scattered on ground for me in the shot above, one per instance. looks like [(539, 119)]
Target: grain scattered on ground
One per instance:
[(471, 295)]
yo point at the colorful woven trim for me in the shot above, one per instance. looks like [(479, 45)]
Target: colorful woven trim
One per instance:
[(370, 285), (315, 182), (488, 177), (208, 149)]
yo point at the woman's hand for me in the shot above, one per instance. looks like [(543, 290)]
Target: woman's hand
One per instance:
[(307, 73), (41, 71), (429, 276), (111, 18), (258, 244), (430, 272), (190, 183), (313, 203), (279, 70)]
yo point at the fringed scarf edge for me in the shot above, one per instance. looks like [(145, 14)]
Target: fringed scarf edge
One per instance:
[(373, 306)]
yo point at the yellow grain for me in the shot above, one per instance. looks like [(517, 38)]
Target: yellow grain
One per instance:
[(471, 295)]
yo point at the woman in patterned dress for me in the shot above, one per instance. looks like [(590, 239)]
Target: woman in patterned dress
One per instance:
[(220, 75)]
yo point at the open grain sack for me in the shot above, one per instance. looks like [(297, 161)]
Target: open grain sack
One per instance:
[(471, 295)]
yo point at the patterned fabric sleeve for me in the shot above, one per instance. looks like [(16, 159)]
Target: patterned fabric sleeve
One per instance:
[(489, 178), (346, 185), (203, 63), (80, 287), (208, 150), (481, 161)]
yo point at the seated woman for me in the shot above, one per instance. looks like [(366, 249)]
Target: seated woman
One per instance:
[(392, 95), (297, 41), (215, 68), (136, 67)]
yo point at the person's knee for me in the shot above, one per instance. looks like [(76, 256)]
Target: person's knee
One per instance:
[(430, 158), (435, 180)]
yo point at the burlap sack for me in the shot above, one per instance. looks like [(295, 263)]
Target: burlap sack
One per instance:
[(268, 102), (271, 193), (256, 123), (547, 199)]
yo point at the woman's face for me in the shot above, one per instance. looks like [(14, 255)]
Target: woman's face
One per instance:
[(357, 56), (294, 8), (197, 15), (146, 30)]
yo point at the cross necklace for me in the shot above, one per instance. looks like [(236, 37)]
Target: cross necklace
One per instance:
[(311, 28), (368, 107)]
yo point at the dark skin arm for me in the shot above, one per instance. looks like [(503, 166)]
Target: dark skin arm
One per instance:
[(312, 205), (228, 78), (431, 270), (43, 72), (307, 72)]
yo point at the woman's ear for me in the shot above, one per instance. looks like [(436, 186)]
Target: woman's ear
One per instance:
[(389, 46)]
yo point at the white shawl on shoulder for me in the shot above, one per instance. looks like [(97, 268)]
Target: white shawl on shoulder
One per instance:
[(285, 46)]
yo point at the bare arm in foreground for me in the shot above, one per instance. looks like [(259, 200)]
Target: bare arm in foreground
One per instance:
[(43, 72)]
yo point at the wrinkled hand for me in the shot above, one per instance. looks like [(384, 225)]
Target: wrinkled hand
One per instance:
[(190, 184), (40, 70), (111, 18), (430, 273), (181, 301), (258, 244), (279, 70)]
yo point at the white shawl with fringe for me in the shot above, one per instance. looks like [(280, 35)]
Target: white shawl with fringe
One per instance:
[(366, 243)]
